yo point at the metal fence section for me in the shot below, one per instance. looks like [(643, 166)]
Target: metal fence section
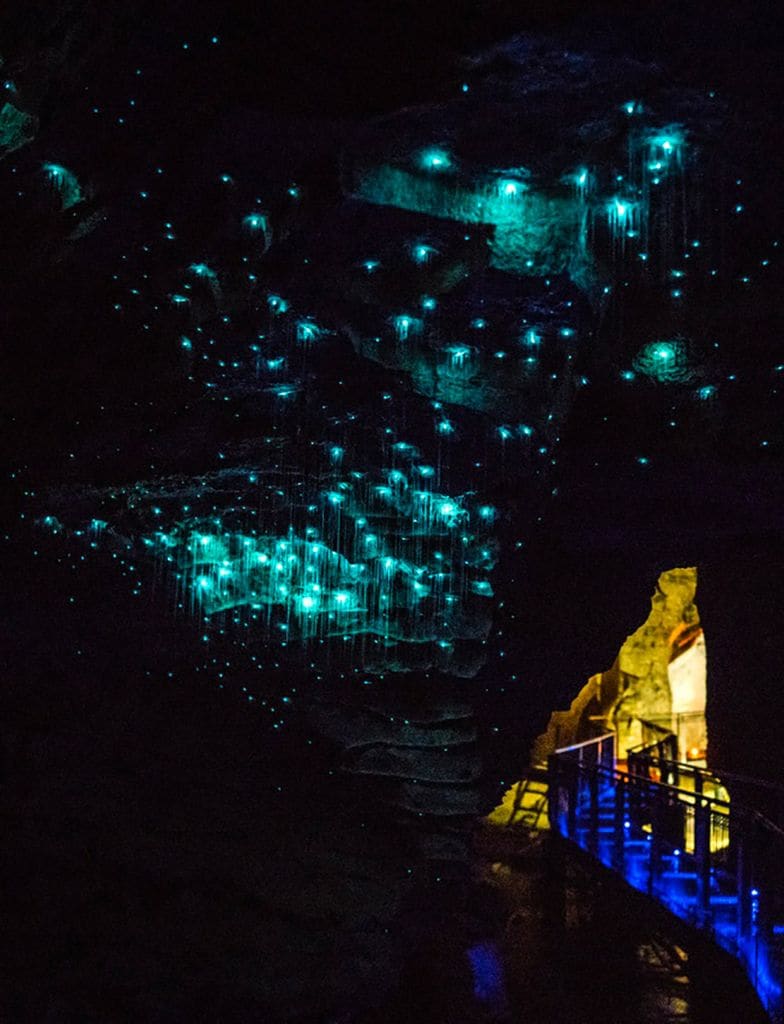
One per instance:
[(672, 831)]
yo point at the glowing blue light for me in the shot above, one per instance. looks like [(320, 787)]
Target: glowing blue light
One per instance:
[(457, 356), (435, 160), (371, 265), (479, 324), (65, 183), (201, 270), (665, 147), (505, 433), (532, 338), (308, 331), (405, 325), (422, 253), (511, 188), (581, 181), (707, 392), (428, 303), (186, 343), (445, 427), (277, 304), (255, 222)]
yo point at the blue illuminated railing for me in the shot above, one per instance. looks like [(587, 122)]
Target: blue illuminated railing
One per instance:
[(670, 831)]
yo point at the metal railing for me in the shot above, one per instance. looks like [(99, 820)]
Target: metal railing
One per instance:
[(671, 832)]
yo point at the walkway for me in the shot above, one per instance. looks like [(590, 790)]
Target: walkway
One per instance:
[(665, 828)]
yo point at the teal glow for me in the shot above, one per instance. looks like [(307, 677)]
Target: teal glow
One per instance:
[(458, 356), (371, 265), (479, 324), (308, 331), (664, 361), (255, 222), (582, 182), (706, 392), (179, 300), (511, 188), (405, 326), (534, 231), (186, 343), (277, 304), (532, 338), (202, 270), (422, 254), (16, 127), (65, 183), (665, 148), (404, 583), (622, 216), (435, 159), (445, 427), (428, 303)]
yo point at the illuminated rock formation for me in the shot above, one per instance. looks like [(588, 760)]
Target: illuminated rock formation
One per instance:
[(657, 684)]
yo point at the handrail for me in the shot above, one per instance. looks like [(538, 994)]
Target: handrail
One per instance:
[(682, 768), (746, 780), (594, 741), (637, 780), (714, 862)]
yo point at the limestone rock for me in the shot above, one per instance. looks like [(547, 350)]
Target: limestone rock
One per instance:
[(656, 684)]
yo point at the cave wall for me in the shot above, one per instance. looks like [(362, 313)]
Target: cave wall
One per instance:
[(637, 687)]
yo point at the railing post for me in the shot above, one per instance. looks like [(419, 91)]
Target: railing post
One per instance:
[(702, 850), (742, 882), (554, 791), (593, 834), (657, 822), (619, 824)]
